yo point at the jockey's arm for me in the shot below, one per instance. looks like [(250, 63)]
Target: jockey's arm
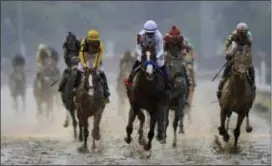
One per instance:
[(81, 54), (159, 46), (99, 57), (228, 42)]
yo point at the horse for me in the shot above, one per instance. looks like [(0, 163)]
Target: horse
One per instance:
[(89, 105), (71, 50), (126, 63), (148, 92), (17, 86), (178, 73), (237, 94), (43, 92), (67, 95)]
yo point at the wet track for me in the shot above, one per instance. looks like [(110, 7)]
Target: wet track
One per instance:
[(27, 141)]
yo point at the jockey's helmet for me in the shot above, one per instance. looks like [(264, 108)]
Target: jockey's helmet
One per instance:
[(93, 35), (242, 28)]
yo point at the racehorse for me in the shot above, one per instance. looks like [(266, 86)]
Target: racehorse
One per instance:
[(148, 92), (178, 75), (17, 86), (67, 95), (89, 105), (43, 92), (237, 94), (126, 63)]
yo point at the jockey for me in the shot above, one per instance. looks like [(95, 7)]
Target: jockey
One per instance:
[(71, 48), (42, 56), (241, 36), (174, 40), (90, 54), (18, 61), (148, 36)]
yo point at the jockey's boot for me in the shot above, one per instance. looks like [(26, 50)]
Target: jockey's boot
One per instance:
[(222, 81), (129, 81), (63, 80), (77, 81), (252, 77), (165, 75), (105, 87)]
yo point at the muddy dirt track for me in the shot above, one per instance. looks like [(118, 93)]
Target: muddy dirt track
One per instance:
[(24, 140)]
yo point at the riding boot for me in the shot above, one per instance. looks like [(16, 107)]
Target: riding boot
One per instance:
[(165, 75), (132, 74), (252, 77), (105, 86), (222, 81), (77, 81), (63, 80)]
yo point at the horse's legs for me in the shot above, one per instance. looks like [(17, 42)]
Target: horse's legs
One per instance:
[(129, 128), (180, 113), (141, 118), (96, 127), (237, 129), (152, 125), (66, 121), (23, 101), (39, 108), (163, 122), (80, 125), (85, 133), (222, 130), (248, 126), (175, 126), (72, 113)]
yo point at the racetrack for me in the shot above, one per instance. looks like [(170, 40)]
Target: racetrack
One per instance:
[(26, 141)]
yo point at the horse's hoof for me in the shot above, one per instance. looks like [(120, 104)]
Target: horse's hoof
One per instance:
[(249, 129), (163, 141), (65, 125), (96, 134), (226, 137), (221, 131), (142, 141), (174, 145), (147, 147), (80, 138), (159, 138), (83, 149), (93, 147), (181, 131), (128, 140)]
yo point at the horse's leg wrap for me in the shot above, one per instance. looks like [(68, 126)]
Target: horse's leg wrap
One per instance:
[(251, 73), (105, 84)]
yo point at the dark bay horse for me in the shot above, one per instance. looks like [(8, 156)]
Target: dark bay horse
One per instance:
[(43, 92), (178, 75), (237, 94), (89, 105), (67, 95), (17, 86), (148, 92)]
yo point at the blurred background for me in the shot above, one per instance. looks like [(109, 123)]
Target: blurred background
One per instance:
[(206, 24)]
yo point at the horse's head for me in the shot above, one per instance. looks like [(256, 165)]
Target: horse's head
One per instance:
[(71, 43), (47, 76), (149, 64), (241, 62), (91, 79), (177, 68)]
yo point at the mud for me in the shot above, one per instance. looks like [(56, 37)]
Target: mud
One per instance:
[(25, 140)]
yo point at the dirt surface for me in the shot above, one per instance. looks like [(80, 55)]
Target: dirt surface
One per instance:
[(25, 140)]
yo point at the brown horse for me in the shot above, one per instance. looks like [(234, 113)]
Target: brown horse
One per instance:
[(89, 105), (237, 94), (148, 92), (126, 63)]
